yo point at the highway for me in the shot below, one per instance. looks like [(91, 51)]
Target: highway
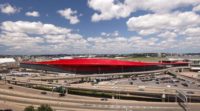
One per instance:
[(110, 88), (150, 92), (87, 104), (26, 96)]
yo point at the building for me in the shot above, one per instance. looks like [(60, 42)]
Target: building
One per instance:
[(96, 65), (194, 64), (7, 63), (7, 60)]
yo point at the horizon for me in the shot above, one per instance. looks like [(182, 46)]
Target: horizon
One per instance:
[(187, 53)]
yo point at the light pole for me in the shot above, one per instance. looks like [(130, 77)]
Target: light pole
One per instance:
[(52, 90), (163, 95), (5, 78)]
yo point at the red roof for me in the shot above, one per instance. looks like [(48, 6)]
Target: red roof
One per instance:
[(98, 61), (93, 61)]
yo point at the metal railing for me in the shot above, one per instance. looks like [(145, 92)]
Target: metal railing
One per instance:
[(184, 99)]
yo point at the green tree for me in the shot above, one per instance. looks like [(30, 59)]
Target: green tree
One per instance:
[(44, 107), (60, 89), (29, 108)]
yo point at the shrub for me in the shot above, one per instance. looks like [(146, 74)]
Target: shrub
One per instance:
[(44, 107), (29, 108)]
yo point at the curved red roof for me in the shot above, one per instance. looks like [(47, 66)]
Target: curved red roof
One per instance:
[(100, 62), (94, 61), (99, 65)]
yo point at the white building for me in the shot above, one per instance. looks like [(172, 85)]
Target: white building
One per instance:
[(6, 63), (7, 60)]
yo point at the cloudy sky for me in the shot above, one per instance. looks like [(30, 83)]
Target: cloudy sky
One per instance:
[(99, 26)]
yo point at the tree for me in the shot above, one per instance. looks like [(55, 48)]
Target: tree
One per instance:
[(29, 108), (44, 107), (60, 89)]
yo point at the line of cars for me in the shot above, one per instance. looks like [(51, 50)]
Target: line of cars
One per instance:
[(163, 79)]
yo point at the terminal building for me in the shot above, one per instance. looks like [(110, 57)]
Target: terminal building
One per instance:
[(96, 65)]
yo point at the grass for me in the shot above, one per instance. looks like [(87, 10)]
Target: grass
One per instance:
[(89, 93), (146, 59)]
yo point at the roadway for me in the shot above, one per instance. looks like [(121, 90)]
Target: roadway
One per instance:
[(109, 88), (27, 96), (149, 92), (24, 99)]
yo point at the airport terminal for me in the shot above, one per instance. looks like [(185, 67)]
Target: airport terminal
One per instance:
[(98, 65), (101, 84)]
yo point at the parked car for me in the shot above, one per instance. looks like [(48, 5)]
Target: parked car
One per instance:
[(190, 92), (43, 92), (185, 84), (104, 99)]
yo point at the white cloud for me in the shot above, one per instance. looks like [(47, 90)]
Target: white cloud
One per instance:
[(33, 14), (23, 37), (70, 15), (9, 9), (39, 37), (165, 28), (194, 31), (168, 34), (197, 8), (156, 23), (109, 9), (172, 30), (33, 28), (113, 34), (160, 6), (144, 32)]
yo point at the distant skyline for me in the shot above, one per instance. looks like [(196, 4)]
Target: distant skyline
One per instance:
[(99, 26)]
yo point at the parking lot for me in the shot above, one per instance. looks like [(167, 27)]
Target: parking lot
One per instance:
[(161, 80)]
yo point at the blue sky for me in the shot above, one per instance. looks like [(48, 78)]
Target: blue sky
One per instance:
[(44, 7), (98, 26)]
